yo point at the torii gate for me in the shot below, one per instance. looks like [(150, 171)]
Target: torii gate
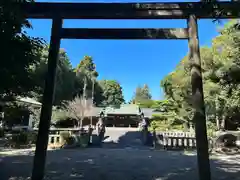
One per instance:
[(191, 11)]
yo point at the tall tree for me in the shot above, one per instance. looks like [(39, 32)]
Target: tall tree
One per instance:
[(220, 67), (143, 96), (112, 92), (18, 51), (145, 92), (138, 94), (65, 77), (86, 71)]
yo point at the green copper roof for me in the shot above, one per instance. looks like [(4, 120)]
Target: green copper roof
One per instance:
[(124, 109)]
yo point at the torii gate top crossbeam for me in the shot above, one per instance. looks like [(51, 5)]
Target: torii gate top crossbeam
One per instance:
[(132, 10)]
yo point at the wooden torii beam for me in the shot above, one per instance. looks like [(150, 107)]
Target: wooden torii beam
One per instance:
[(96, 33), (185, 10), (173, 10)]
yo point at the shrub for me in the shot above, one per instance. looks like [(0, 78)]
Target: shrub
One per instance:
[(70, 140), (32, 137), (163, 125), (20, 138), (157, 117), (226, 140), (84, 139), (211, 129)]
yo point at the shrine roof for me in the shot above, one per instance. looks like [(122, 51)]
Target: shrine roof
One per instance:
[(124, 110)]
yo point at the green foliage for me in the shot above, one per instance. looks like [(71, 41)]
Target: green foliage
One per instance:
[(112, 92), (87, 67), (70, 140), (65, 77), (69, 82), (87, 74), (146, 103), (143, 96), (220, 68), (83, 140), (20, 139), (32, 137), (23, 138), (18, 51), (211, 129), (24, 65), (59, 114), (160, 125), (15, 114)]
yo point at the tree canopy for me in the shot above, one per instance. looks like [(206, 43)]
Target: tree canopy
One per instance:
[(220, 68), (24, 67), (143, 97), (112, 92), (18, 51)]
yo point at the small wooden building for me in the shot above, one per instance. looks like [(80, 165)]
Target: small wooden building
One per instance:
[(16, 113)]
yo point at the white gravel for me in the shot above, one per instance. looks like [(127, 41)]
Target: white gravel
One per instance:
[(117, 164)]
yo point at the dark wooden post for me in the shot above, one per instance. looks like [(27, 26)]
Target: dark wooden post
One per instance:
[(46, 111), (199, 118)]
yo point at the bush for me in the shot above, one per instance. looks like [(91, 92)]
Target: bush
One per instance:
[(84, 139), (20, 139), (162, 126), (211, 129), (32, 137), (157, 117), (70, 140), (23, 138), (226, 140)]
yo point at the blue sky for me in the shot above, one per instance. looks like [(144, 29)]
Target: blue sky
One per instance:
[(130, 62)]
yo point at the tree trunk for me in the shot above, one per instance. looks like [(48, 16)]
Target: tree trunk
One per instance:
[(85, 98), (223, 122), (81, 123), (93, 83), (217, 122), (217, 113), (85, 88)]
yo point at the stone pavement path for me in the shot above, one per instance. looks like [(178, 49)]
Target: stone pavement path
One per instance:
[(117, 164), (123, 138)]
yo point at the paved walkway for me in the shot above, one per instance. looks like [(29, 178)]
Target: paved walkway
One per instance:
[(123, 138), (117, 164)]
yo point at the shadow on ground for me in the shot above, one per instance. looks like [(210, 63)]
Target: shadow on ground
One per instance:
[(119, 164), (131, 139)]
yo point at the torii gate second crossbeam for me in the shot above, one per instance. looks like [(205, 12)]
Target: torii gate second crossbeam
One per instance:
[(185, 10)]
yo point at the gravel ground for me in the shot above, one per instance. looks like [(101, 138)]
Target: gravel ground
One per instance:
[(117, 164)]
